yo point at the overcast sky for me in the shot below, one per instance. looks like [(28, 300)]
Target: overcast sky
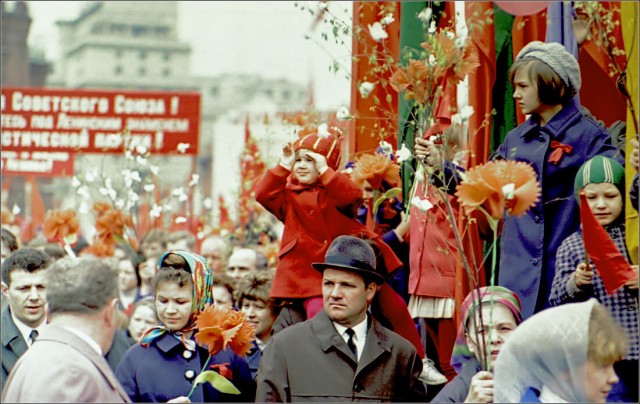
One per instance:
[(260, 37)]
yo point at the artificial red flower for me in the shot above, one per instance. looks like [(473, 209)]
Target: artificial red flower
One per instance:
[(500, 186), (219, 328), (7, 217), (60, 225)]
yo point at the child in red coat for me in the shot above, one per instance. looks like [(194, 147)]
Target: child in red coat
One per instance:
[(317, 203)]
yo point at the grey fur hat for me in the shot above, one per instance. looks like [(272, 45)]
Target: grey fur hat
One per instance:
[(558, 59)]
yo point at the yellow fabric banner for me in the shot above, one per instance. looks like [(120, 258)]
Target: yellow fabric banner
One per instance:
[(629, 13)]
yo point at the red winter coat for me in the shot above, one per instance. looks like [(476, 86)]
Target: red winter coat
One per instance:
[(433, 251), (313, 216)]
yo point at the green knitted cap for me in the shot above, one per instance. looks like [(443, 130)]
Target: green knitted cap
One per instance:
[(598, 170)]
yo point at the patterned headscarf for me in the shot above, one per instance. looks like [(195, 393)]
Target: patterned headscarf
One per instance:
[(498, 294), (202, 279)]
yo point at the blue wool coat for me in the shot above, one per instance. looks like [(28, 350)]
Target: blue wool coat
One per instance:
[(161, 372), (529, 243)]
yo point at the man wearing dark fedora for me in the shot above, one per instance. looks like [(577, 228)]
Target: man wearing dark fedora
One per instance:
[(342, 353)]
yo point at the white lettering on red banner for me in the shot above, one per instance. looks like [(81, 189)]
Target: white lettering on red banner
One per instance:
[(98, 121)]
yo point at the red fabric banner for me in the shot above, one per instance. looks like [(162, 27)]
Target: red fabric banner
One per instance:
[(611, 265)]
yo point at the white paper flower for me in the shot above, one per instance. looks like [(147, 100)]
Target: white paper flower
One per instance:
[(16, 210), (140, 149), (83, 191), (509, 191), (343, 114), (149, 187), (75, 182), (386, 147), (119, 203), (466, 111), (425, 15), (460, 41), (432, 28), (156, 210), (366, 88), (323, 131), (181, 219), (388, 19), (403, 154), (322, 5), (450, 34), (83, 208), (377, 32), (154, 169), (194, 179), (182, 147), (419, 176), (207, 203), (423, 205), (432, 60)]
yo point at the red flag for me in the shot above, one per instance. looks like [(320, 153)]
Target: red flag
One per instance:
[(612, 267), (225, 218), (252, 168)]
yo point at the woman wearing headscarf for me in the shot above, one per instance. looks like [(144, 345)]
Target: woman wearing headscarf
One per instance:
[(167, 360), (488, 316), (564, 354)]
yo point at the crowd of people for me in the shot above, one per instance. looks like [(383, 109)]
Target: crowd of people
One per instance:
[(359, 304)]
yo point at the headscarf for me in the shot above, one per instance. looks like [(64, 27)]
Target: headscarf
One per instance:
[(548, 350), (202, 279), (498, 294)]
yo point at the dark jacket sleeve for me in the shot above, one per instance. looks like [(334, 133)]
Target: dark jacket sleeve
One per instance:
[(272, 382)]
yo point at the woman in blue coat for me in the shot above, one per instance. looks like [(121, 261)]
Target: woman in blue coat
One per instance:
[(167, 360), (555, 140)]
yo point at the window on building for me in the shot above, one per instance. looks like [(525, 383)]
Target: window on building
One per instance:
[(143, 55), (162, 31), (286, 95), (166, 56), (214, 91), (166, 72), (119, 53), (139, 30), (118, 28), (118, 70), (269, 93), (142, 71)]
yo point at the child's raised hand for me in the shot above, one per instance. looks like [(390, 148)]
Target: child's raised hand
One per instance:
[(320, 161), (633, 283), (288, 157), (583, 275)]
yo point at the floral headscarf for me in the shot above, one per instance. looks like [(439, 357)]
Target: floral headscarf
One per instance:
[(498, 294), (202, 277)]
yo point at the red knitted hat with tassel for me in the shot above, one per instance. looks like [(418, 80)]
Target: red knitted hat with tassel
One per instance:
[(326, 141)]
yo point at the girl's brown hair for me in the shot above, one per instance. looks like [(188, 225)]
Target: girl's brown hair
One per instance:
[(551, 89)]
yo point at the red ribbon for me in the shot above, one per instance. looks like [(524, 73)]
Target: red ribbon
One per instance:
[(560, 149)]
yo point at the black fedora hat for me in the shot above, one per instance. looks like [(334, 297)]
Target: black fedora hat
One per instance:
[(351, 254)]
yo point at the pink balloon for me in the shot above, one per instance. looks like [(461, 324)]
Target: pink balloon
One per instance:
[(522, 7)]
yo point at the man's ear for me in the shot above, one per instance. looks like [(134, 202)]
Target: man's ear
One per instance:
[(5, 289), (110, 311), (371, 290)]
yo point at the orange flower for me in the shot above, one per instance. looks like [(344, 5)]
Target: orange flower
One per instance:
[(7, 217), (374, 168), (112, 222), (60, 224), (498, 186), (101, 207), (101, 248), (219, 328)]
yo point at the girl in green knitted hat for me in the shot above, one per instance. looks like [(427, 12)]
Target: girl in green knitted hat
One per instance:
[(602, 181)]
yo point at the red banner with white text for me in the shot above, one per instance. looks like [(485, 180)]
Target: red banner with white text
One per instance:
[(99, 121)]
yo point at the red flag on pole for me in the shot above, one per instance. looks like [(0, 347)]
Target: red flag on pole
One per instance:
[(611, 265)]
